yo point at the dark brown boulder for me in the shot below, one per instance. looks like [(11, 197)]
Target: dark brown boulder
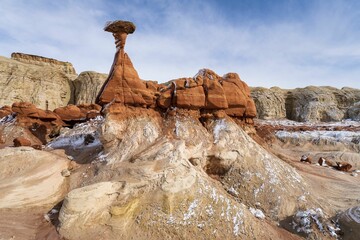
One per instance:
[(343, 166), (21, 141)]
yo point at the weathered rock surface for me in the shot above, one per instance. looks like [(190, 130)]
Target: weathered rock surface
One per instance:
[(349, 223), (42, 123), (353, 112), (31, 178), (270, 103), (34, 82), (124, 85), (307, 104), (87, 85), (158, 181), (65, 67), (209, 91), (31, 184), (21, 141)]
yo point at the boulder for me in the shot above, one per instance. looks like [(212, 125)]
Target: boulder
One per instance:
[(190, 98), (70, 113), (306, 158), (25, 177), (42, 124), (343, 166), (21, 141)]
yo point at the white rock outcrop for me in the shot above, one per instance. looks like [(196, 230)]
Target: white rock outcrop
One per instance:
[(33, 83), (31, 178)]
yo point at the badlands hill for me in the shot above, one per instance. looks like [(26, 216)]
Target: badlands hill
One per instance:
[(123, 158)]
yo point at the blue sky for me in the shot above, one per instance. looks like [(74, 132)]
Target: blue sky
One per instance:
[(293, 43)]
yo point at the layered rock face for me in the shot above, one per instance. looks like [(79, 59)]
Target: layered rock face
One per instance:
[(65, 67), (87, 85), (307, 104), (207, 91), (36, 80)]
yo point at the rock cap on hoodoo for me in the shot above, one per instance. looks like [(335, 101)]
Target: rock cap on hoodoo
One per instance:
[(120, 26)]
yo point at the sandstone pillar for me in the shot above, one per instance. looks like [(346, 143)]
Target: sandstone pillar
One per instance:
[(123, 84)]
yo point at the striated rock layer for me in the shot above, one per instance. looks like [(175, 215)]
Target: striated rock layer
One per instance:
[(65, 67), (87, 85), (311, 103), (43, 85)]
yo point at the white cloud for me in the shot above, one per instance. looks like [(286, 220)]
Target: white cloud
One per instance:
[(174, 39)]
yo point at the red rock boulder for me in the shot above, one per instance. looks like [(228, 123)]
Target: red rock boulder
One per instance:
[(21, 141), (42, 124), (5, 111), (70, 113)]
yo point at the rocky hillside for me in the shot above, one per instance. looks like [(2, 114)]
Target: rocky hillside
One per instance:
[(312, 104)]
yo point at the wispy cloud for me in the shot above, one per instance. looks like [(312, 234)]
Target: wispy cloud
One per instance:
[(316, 44)]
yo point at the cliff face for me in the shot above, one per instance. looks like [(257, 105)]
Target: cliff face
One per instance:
[(311, 103), (87, 85), (35, 81), (65, 67)]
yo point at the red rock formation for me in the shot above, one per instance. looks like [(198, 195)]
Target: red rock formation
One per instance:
[(90, 110), (123, 84), (41, 123), (206, 91), (5, 111), (70, 113), (80, 112), (21, 141)]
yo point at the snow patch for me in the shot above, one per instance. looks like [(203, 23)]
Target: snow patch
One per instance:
[(191, 210), (303, 220), (220, 125), (257, 213), (82, 135), (7, 119), (316, 136)]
